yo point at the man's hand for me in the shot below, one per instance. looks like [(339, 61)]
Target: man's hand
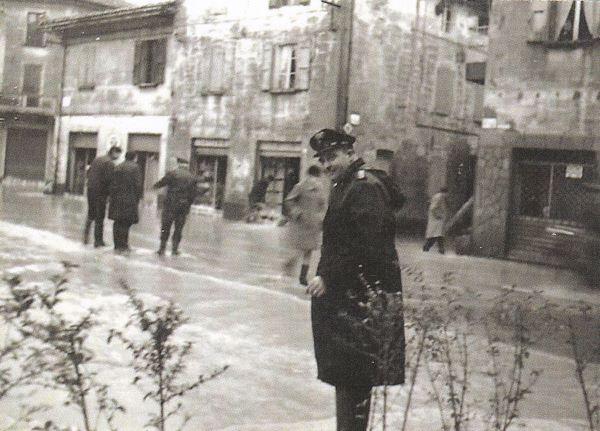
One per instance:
[(316, 287)]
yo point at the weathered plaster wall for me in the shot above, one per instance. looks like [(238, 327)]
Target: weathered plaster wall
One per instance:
[(244, 113), (536, 88), (114, 91)]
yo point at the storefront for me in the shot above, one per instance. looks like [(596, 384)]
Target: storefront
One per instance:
[(82, 151), (147, 148), (209, 164), (25, 155), (281, 160), (549, 196)]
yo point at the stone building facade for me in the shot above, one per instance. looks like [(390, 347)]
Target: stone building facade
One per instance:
[(30, 84), (538, 149), (255, 81), (117, 90)]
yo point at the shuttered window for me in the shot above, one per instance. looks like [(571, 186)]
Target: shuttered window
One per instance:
[(35, 35), (564, 21), (215, 67), (273, 4), (149, 62), (32, 81), (87, 69), (444, 91), (286, 68)]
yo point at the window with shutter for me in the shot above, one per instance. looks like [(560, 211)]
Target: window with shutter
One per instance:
[(32, 81), (149, 62), (291, 68), (35, 35), (444, 91), (87, 69), (564, 22), (266, 65), (217, 70)]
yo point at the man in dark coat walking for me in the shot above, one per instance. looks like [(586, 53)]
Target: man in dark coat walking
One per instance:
[(181, 192), (126, 191), (358, 245), (98, 188)]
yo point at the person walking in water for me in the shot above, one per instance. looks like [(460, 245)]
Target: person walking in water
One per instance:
[(436, 219), (181, 192), (98, 188), (305, 207)]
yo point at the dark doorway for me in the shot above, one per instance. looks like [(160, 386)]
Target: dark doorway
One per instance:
[(26, 153), (286, 173), (212, 172)]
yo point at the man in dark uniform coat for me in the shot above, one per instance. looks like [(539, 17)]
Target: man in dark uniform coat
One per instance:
[(126, 190), (99, 179), (358, 242), (181, 192)]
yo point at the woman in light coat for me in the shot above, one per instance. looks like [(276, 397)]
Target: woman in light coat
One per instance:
[(305, 208), (436, 219)]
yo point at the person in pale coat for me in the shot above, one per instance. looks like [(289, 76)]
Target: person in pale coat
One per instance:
[(305, 208), (436, 219)]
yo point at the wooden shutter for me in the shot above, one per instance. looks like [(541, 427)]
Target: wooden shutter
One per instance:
[(538, 20), (266, 66), (229, 62), (303, 66), (32, 76), (204, 67), (217, 69), (159, 59), (137, 62), (444, 91), (87, 68)]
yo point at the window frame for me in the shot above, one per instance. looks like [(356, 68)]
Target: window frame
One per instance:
[(35, 37), (291, 73), (40, 84), (149, 70), (276, 4), (89, 62)]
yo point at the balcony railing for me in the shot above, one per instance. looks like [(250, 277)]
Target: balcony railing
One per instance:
[(28, 102)]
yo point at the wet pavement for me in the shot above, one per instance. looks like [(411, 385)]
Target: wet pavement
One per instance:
[(244, 311)]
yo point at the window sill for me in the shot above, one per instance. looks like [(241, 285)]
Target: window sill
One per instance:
[(564, 44), (148, 85), (285, 91)]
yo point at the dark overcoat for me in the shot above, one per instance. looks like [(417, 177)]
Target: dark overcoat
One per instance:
[(100, 176), (358, 238), (181, 190), (126, 190)]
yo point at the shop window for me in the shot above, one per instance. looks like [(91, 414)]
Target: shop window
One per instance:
[(211, 171), (35, 35), (149, 62), (273, 4), (286, 68)]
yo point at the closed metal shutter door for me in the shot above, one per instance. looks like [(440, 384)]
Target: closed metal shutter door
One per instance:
[(26, 153)]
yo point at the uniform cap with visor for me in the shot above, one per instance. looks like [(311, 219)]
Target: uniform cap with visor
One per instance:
[(326, 140)]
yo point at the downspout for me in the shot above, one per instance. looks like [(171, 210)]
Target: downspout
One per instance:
[(58, 121), (344, 66)]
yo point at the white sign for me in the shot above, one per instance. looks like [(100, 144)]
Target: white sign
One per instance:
[(489, 123), (574, 171)]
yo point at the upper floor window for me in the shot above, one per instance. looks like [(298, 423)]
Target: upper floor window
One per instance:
[(32, 83), (286, 68), (87, 69), (564, 21), (35, 35), (215, 68), (273, 4), (149, 63), (475, 72)]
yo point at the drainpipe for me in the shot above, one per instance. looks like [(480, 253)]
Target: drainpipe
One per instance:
[(58, 120), (343, 84)]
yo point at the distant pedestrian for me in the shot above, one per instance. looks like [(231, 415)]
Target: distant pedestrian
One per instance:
[(126, 190), (181, 191), (100, 175), (358, 240), (258, 194), (436, 219), (305, 207)]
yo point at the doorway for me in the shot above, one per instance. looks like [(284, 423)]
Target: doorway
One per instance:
[(286, 174), (212, 172)]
